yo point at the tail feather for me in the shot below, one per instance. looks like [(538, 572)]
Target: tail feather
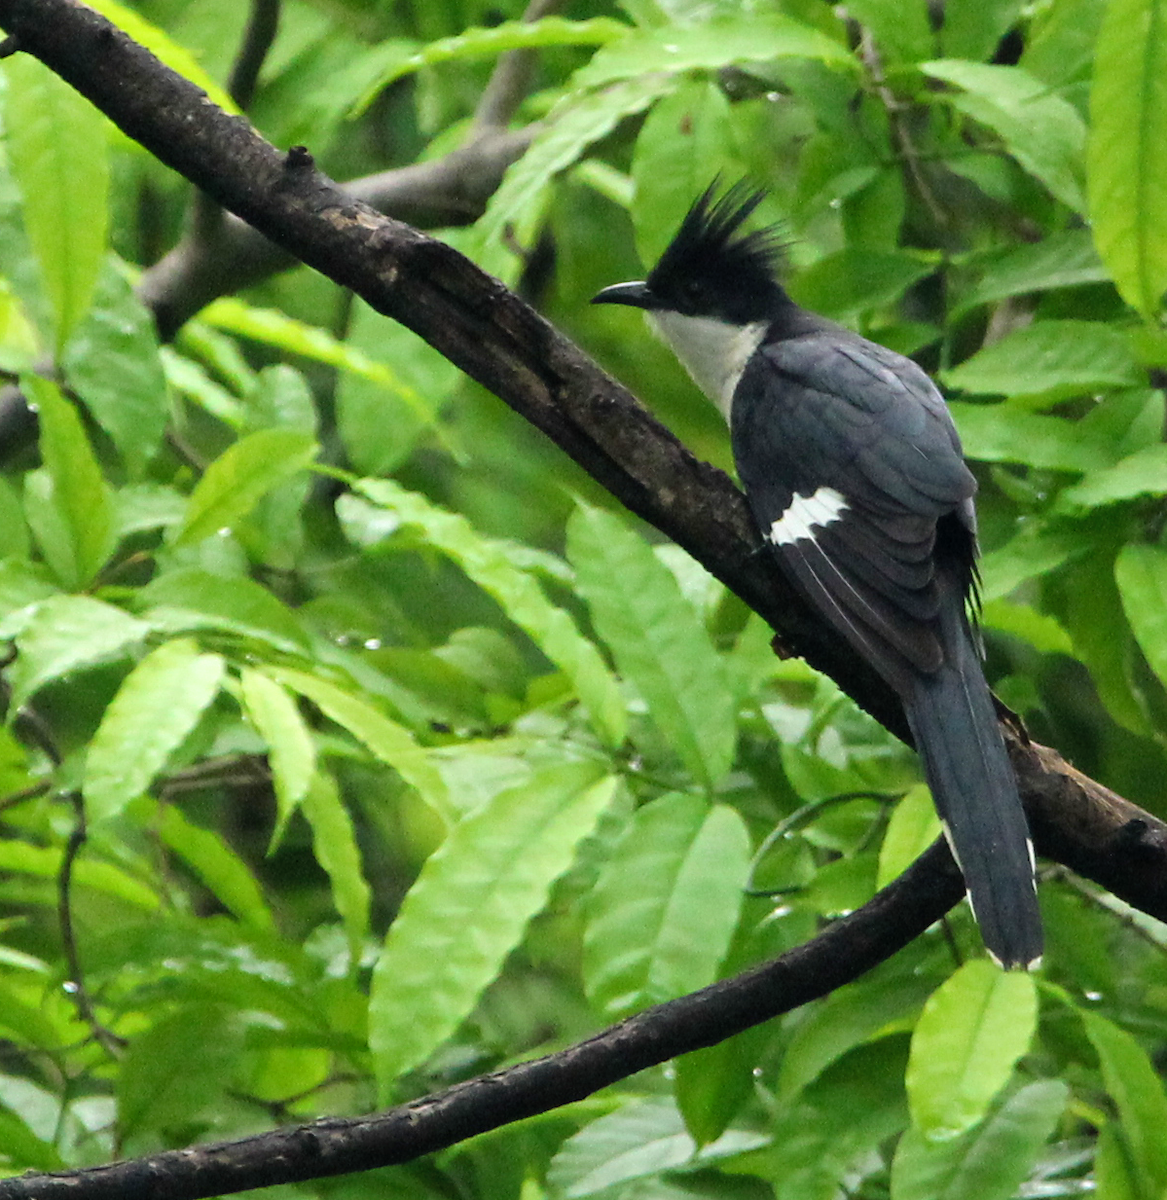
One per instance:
[(953, 720)]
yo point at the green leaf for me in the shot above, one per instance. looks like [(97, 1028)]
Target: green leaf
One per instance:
[(1039, 128), (1065, 259), (853, 1016), (972, 1031), (225, 874), (393, 744), (490, 564), (23, 585), (1127, 155), (856, 280), (480, 43), (59, 156), (657, 639), (177, 1068), (913, 827), (164, 48), (973, 28), (711, 1085), (335, 843), (665, 906), (233, 484), (64, 634), (1115, 1176), (191, 598), (1141, 474), (1051, 360), (640, 1139), (112, 362), (1141, 573), (1137, 1091), (1005, 433), (291, 750), (1035, 550), (989, 1163), (710, 45), (515, 211), (156, 707), (685, 141), (44, 863), (469, 907), (1043, 632), (78, 495), (271, 327), (381, 421), (902, 30)]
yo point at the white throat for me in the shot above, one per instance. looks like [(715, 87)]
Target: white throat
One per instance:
[(714, 352)]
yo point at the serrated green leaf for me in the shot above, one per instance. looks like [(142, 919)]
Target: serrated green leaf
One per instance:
[(657, 639), (335, 843), (59, 156), (178, 1067), (191, 598), (224, 873), (1052, 360), (1141, 574), (165, 49), (499, 39), (1137, 1091), (291, 750), (1127, 155), (157, 705), (989, 1163), (112, 363), (710, 45), (1040, 129), (44, 863), (64, 634), (972, 1031), (78, 495), (393, 744), (913, 827), (469, 907), (233, 484), (490, 564), (665, 906), (1141, 474)]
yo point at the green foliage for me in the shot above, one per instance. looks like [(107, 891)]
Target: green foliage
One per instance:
[(404, 757)]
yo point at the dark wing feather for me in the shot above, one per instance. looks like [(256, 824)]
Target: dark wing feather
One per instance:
[(829, 409)]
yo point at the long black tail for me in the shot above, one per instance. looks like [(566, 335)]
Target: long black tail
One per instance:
[(955, 726)]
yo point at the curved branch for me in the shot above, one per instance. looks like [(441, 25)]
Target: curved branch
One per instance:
[(501, 342), (332, 1146)]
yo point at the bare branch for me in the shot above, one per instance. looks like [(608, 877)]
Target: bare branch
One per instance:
[(511, 78), (333, 1146), (262, 25)]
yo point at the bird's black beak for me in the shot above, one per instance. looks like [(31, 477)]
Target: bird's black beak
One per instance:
[(635, 294)]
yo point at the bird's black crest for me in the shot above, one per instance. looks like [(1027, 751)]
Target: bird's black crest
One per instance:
[(712, 268)]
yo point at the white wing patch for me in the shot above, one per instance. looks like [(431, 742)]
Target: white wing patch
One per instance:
[(806, 514)]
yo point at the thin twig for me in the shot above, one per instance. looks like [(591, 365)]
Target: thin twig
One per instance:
[(109, 1041), (262, 26), (510, 80)]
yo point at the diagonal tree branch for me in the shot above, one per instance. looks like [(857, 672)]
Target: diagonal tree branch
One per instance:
[(333, 1146), (505, 345)]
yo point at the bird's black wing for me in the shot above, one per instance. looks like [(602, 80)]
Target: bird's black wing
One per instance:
[(853, 470)]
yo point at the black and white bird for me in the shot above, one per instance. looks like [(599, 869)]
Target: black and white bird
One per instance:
[(855, 476)]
